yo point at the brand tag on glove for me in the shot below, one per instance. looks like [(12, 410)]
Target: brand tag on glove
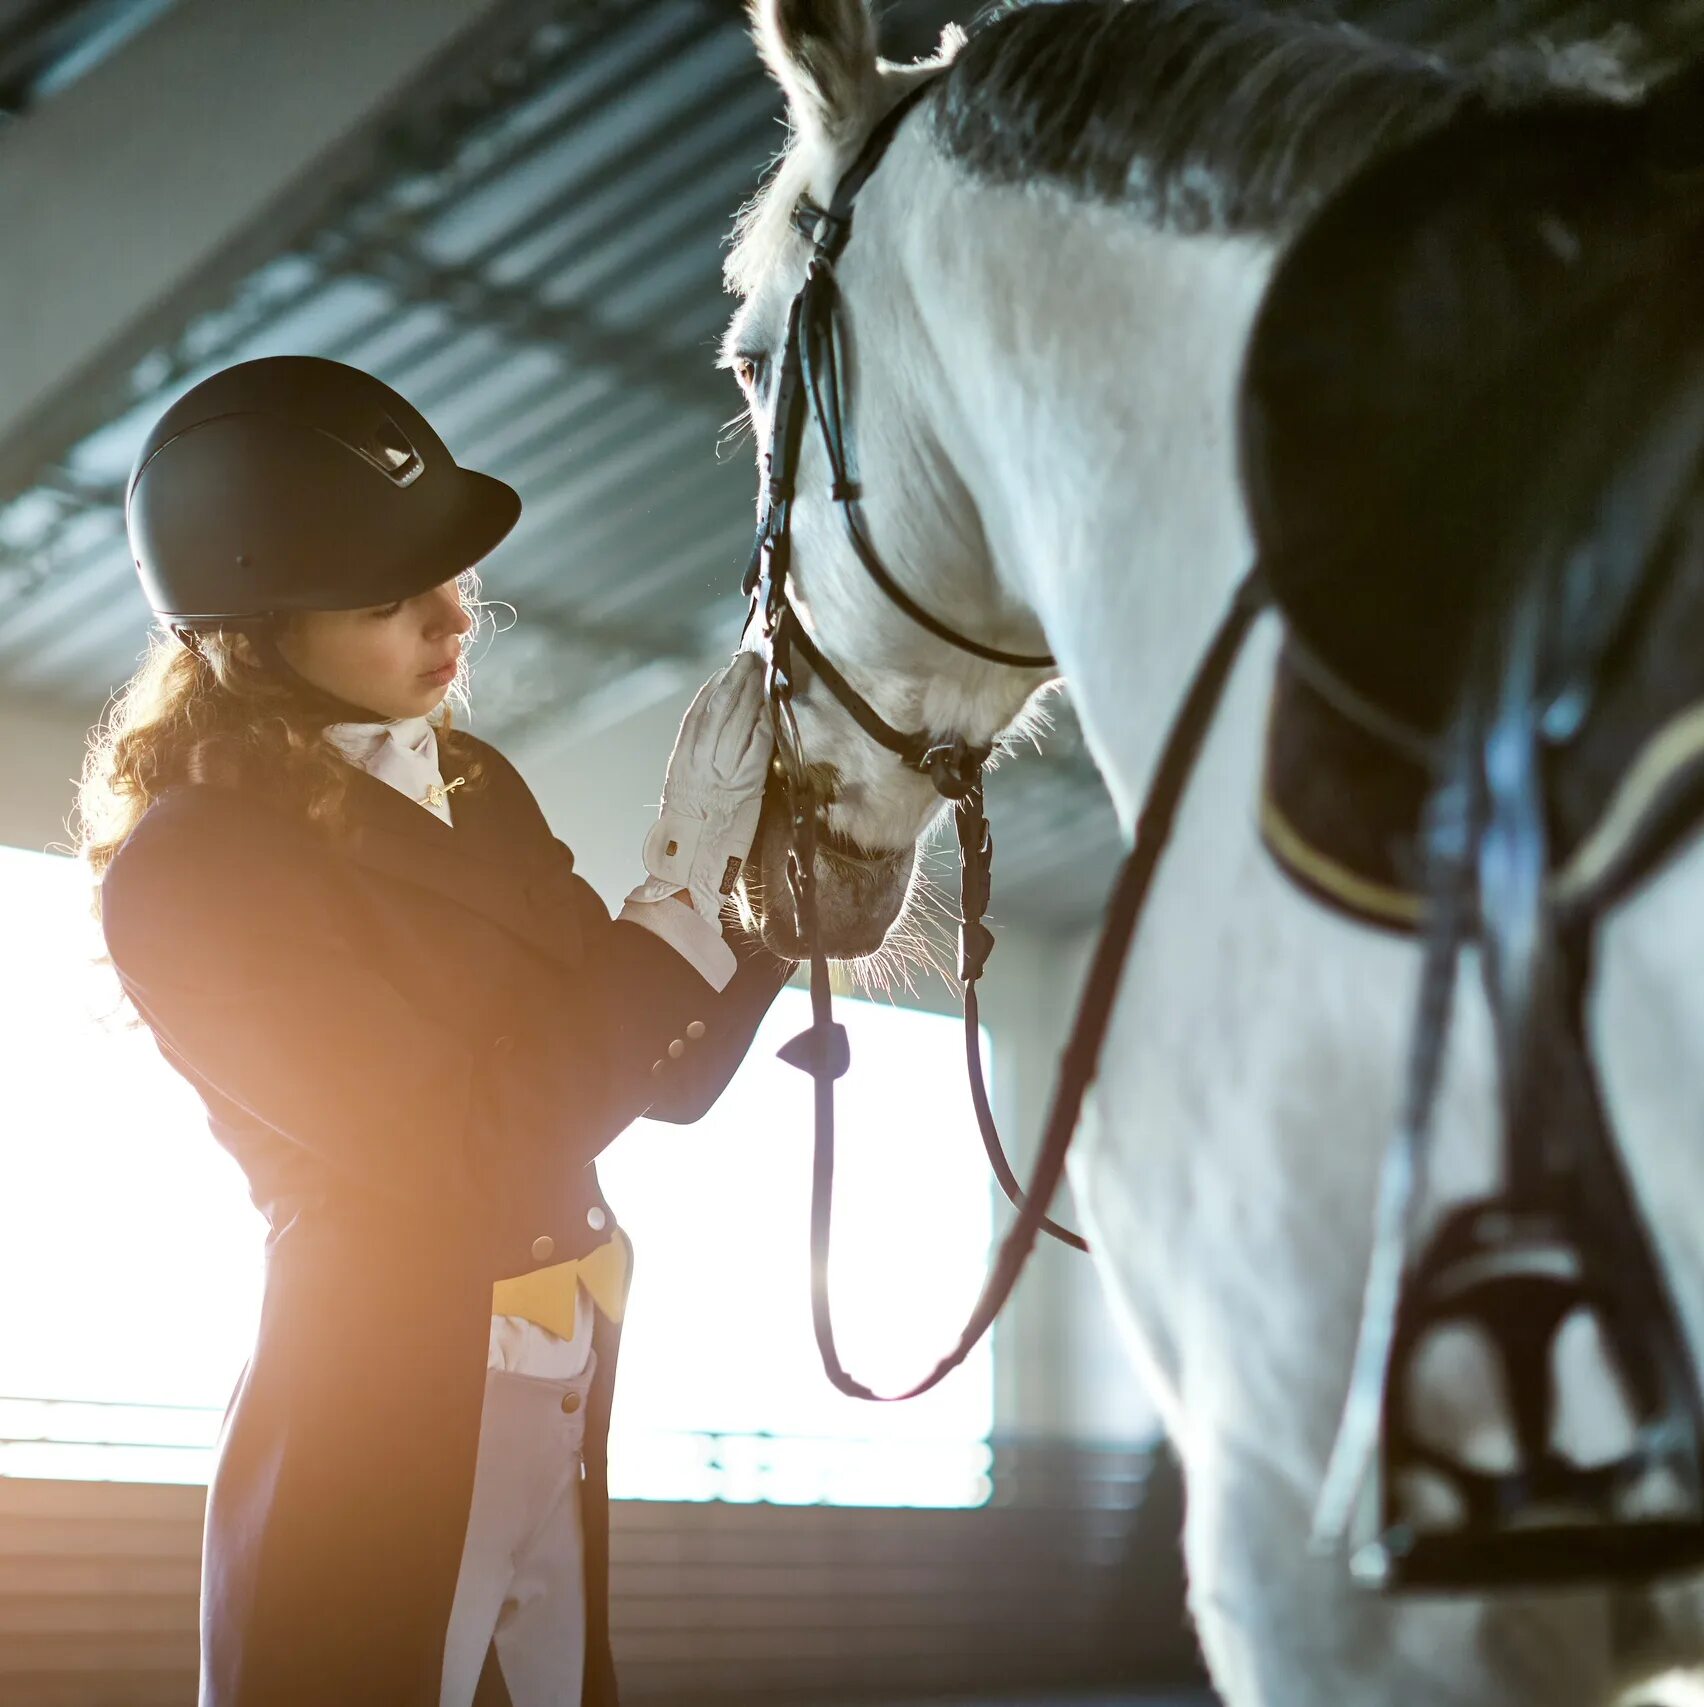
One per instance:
[(730, 876)]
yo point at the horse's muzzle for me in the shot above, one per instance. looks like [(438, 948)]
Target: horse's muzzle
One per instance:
[(859, 893)]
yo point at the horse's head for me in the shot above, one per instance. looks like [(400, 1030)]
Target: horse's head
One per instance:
[(914, 504)]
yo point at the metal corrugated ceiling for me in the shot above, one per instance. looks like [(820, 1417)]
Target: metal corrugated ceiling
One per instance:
[(46, 45), (537, 265)]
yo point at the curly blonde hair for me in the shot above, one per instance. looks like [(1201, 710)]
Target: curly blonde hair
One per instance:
[(217, 715)]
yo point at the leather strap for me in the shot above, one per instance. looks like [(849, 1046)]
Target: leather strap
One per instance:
[(822, 1049)]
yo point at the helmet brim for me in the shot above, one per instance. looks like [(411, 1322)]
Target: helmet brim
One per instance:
[(485, 516)]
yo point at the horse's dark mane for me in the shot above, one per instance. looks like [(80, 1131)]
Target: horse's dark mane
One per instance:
[(1199, 115)]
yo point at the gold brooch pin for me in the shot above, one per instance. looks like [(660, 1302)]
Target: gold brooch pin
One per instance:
[(438, 793)]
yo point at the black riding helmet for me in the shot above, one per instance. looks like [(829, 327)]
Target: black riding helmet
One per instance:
[(296, 483)]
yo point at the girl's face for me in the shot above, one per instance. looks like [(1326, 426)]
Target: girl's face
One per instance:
[(399, 659)]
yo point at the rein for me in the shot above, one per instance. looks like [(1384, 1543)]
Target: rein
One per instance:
[(810, 382), (824, 1052)]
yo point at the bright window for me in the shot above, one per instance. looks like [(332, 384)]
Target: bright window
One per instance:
[(130, 1258), (720, 1340)]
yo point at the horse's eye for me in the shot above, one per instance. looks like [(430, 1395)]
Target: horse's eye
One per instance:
[(750, 371)]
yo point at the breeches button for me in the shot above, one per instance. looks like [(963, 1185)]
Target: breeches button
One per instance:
[(570, 1403)]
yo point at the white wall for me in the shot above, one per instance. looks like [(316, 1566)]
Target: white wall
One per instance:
[(43, 755), (600, 792), (1061, 1370)]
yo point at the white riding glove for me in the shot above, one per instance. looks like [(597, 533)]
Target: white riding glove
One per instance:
[(712, 793)]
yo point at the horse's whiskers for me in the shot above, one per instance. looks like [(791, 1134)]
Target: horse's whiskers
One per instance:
[(880, 973), (917, 942), (733, 432)]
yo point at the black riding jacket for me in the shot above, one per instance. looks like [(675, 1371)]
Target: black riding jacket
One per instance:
[(415, 1044)]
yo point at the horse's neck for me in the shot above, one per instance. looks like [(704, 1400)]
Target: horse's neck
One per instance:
[(1095, 366)]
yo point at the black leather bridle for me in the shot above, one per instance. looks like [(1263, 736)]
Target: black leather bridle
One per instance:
[(811, 380)]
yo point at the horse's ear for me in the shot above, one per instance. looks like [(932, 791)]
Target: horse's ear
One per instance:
[(823, 54)]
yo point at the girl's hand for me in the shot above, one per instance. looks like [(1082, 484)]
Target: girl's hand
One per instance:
[(713, 791)]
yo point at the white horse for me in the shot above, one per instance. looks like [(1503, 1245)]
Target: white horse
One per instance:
[(1053, 277)]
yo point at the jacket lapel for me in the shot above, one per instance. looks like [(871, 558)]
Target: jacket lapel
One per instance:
[(485, 861)]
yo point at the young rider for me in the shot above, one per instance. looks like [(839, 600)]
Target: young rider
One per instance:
[(349, 927)]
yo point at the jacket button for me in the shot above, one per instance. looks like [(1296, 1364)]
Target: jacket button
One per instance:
[(503, 1045), (676, 1050), (570, 1403), (595, 1219), (658, 1066), (695, 1030), (543, 1246)]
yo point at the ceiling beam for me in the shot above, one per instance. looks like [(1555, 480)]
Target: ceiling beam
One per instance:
[(158, 180)]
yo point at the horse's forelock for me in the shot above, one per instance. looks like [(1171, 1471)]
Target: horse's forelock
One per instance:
[(761, 227)]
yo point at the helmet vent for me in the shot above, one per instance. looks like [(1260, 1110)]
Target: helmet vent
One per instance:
[(387, 447)]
